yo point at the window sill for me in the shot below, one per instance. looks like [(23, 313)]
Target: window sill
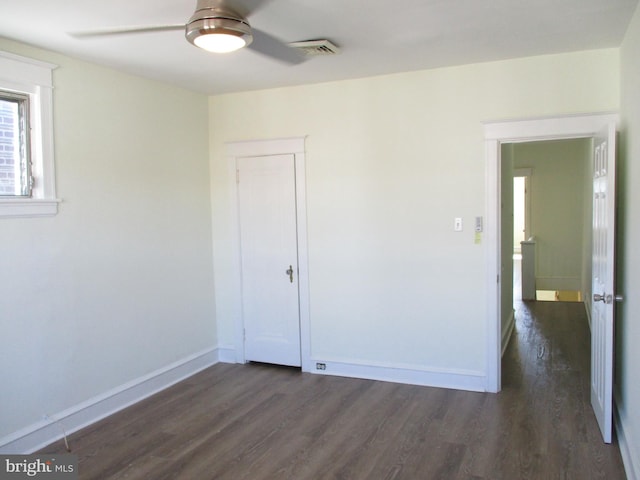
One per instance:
[(28, 207)]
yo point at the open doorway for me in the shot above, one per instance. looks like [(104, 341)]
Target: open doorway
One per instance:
[(551, 218), (602, 130), (499, 262), (521, 227), (521, 207), (519, 214)]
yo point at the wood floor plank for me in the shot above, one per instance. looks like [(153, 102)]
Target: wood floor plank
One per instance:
[(261, 422)]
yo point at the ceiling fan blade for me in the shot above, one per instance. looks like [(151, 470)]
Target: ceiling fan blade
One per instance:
[(272, 47), (107, 31)]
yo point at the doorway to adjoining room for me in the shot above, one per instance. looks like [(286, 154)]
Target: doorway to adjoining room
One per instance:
[(548, 259)]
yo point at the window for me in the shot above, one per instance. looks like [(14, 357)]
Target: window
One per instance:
[(15, 148), (27, 183)]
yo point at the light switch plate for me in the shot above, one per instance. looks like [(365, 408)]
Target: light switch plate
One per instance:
[(457, 224)]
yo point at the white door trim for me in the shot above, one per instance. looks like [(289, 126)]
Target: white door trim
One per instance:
[(495, 134), (257, 148)]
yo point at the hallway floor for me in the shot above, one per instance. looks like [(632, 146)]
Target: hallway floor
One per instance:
[(547, 365)]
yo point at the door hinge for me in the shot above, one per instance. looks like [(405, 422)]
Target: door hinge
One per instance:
[(237, 176), (244, 334), (497, 278)]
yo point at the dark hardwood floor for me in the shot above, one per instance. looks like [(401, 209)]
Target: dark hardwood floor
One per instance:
[(264, 422)]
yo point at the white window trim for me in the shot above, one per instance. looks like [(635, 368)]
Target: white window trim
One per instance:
[(34, 78)]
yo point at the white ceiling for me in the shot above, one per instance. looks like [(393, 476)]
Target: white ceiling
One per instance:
[(376, 36)]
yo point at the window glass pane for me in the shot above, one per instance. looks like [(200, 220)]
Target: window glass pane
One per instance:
[(15, 167)]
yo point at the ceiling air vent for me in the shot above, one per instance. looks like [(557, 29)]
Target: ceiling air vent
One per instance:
[(316, 47)]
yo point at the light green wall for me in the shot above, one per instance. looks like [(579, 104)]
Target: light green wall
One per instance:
[(120, 282), (587, 230), (559, 176), (506, 241), (628, 313), (391, 160)]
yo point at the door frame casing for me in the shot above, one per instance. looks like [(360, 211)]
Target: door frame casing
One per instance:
[(258, 148), (495, 134)]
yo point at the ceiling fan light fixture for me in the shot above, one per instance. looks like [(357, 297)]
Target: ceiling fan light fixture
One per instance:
[(218, 31), (217, 42)]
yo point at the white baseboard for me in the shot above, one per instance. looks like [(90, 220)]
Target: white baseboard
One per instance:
[(627, 448), (227, 354), (44, 432), (508, 331), (410, 374)]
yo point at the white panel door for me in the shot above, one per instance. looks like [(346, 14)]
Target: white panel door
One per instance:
[(603, 301), (269, 256)]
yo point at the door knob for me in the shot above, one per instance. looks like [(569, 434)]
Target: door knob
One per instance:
[(598, 298), (619, 298), (290, 273)]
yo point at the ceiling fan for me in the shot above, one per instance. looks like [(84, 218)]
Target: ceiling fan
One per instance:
[(216, 26)]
